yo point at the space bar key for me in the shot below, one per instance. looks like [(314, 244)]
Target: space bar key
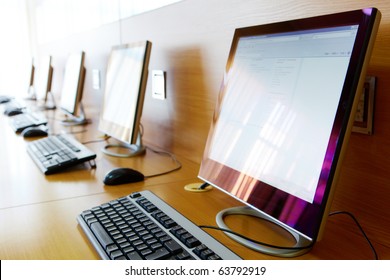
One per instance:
[(101, 235)]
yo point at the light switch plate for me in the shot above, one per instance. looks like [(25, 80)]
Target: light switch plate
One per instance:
[(158, 84)]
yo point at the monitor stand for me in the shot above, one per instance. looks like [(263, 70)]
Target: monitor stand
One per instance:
[(132, 149), (31, 94), (302, 246), (49, 104), (72, 120)]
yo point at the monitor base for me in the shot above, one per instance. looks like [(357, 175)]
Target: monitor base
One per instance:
[(134, 150), (72, 120), (49, 103), (47, 107), (31, 94), (75, 121), (302, 245)]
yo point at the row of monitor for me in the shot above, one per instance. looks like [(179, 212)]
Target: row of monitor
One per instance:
[(282, 118), (126, 78), (73, 84)]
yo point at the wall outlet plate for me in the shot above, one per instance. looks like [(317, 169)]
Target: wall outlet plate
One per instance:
[(158, 84), (364, 118), (96, 79)]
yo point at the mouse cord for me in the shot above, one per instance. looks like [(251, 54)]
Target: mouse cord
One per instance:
[(172, 156)]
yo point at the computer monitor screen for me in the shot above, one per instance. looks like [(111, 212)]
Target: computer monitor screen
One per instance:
[(44, 79), (126, 79), (284, 114), (72, 88)]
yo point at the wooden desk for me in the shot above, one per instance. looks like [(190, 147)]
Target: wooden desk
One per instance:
[(22, 183), (38, 213)]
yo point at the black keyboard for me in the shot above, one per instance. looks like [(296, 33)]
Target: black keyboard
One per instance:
[(25, 120), (141, 226), (56, 153)]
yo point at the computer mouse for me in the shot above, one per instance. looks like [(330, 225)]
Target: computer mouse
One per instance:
[(33, 132), (123, 175), (13, 111)]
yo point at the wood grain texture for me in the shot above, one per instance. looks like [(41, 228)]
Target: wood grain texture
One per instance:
[(191, 43)]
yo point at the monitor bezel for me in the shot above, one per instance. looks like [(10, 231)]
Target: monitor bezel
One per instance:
[(215, 173), (32, 73), (128, 135)]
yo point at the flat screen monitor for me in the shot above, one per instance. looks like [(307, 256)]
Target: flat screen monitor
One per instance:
[(32, 73), (31, 95), (126, 78), (72, 89), (43, 83), (283, 117)]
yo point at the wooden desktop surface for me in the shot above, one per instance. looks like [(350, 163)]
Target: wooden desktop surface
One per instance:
[(38, 213)]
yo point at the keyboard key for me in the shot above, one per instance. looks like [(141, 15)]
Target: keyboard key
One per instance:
[(198, 249), (159, 254), (173, 246), (184, 256), (214, 257), (112, 248), (101, 235), (192, 242), (134, 256), (205, 254)]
